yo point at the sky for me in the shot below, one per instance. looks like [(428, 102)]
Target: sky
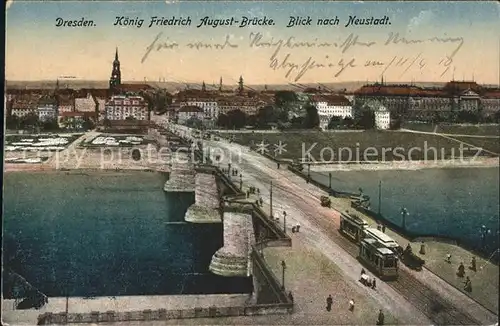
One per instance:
[(436, 42)]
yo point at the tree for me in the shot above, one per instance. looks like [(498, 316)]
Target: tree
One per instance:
[(366, 120), (266, 115), (283, 98), (335, 122), (237, 119), (465, 116), (348, 122), (252, 120), (50, 125), (106, 123), (223, 120), (396, 123), (194, 122), (312, 117), (297, 122), (12, 122), (88, 124), (30, 121)]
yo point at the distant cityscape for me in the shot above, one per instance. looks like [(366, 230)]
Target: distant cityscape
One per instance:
[(379, 105)]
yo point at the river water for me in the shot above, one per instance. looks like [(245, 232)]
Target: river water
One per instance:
[(108, 234), (453, 202)]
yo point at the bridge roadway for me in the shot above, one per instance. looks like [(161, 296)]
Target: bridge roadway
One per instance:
[(430, 300)]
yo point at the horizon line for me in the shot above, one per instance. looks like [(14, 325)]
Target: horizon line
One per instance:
[(263, 84)]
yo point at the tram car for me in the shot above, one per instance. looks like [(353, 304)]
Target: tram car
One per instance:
[(352, 226), (381, 260), (384, 239)]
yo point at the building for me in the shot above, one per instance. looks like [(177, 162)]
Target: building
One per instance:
[(85, 103), (21, 108), (329, 106), (428, 104), (66, 103), (249, 106), (121, 107), (382, 114), (189, 111), (47, 109)]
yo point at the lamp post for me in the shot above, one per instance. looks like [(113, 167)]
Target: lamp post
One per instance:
[(330, 180), (484, 232), (404, 213), (228, 168), (283, 267), (284, 222), (241, 181)]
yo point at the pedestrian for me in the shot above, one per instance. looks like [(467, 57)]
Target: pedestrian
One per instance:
[(468, 285), (381, 317), (473, 264), (351, 305), (290, 296), (379, 227), (329, 302), (448, 258), (374, 283), (383, 228), (461, 270), (297, 227), (362, 271)]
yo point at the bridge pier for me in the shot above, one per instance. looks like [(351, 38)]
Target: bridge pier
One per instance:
[(206, 206), (233, 259), (182, 178)]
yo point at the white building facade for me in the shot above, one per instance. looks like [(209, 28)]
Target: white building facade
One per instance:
[(123, 107), (382, 118), (329, 106), (47, 112)]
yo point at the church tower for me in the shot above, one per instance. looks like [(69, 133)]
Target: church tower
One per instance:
[(116, 76)]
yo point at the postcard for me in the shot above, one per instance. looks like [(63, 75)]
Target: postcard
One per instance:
[(251, 162)]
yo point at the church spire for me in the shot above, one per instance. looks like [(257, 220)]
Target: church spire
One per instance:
[(116, 76)]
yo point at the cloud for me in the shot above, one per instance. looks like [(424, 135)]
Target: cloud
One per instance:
[(423, 18)]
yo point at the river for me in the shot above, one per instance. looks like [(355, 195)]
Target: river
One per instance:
[(453, 202), (108, 234)]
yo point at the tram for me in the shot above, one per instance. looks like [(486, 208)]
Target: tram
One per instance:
[(384, 239), (379, 259), (352, 226)]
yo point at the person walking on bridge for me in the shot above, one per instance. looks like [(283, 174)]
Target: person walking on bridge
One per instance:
[(329, 302), (381, 317)]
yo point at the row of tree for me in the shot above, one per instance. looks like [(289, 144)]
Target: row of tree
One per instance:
[(33, 123)]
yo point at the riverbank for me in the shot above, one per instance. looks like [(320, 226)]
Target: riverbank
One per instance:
[(479, 162)]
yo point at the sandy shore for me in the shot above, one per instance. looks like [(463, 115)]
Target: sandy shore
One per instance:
[(410, 165)]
